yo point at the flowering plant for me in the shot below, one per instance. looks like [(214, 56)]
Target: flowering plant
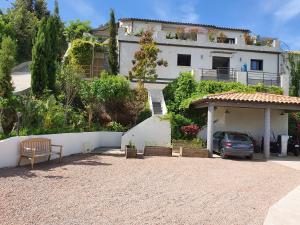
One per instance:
[(190, 131)]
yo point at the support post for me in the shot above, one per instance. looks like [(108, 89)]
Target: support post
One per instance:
[(210, 128), (267, 133)]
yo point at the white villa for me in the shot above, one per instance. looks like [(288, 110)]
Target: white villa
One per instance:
[(213, 53)]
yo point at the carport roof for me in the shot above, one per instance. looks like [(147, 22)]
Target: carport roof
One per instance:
[(258, 98)]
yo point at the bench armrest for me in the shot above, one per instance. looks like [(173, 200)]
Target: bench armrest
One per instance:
[(58, 146)]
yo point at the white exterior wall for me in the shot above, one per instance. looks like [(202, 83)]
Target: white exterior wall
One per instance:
[(201, 50), (73, 143), (250, 121), (200, 58), (154, 131)]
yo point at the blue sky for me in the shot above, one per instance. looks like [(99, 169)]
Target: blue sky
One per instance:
[(272, 18)]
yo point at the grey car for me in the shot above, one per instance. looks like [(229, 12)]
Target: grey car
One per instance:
[(228, 143)]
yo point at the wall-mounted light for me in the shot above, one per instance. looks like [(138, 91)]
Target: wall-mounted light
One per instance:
[(282, 114), (201, 56), (227, 111), (241, 59)]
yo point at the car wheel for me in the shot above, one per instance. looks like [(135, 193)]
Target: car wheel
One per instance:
[(223, 156)]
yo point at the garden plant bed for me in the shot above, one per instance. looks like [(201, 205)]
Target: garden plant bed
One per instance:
[(157, 151), (194, 152), (190, 148), (130, 152)]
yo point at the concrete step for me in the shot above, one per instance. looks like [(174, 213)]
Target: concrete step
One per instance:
[(157, 108)]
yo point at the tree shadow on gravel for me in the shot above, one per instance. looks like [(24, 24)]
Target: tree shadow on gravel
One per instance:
[(26, 172)]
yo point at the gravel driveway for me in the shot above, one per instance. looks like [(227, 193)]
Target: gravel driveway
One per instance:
[(111, 190)]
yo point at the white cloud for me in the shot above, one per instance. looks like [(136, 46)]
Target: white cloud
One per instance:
[(288, 11), (183, 11), (283, 11)]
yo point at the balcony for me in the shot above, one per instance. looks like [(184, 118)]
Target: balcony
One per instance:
[(233, 75), (204, 40)]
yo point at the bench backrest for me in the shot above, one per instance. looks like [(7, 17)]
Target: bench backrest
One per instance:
[(40, 144)]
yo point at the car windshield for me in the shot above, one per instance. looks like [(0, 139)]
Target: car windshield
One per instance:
[(238, 137)]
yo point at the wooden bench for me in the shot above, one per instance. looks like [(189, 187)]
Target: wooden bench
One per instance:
[(38, 147)]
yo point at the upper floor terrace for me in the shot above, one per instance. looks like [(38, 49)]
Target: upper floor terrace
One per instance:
[(187, 34)]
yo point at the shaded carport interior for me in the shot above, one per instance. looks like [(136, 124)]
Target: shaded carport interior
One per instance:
[(262, 101)]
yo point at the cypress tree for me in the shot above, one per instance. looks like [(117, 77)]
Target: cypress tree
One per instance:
[(52, 55), (113, 56), (39, 78), (61, 42), (40, 9), (7, 62)]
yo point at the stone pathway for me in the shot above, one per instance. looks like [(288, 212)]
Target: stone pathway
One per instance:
[(286, 211)]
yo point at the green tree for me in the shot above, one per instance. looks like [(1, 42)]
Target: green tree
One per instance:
[(61, 39), (146, 60), (24, 23), (41, 9), (28, 4), (39, 78), (112, 45), (76, 29), (51, 35), (295, 74), (6, 28), (69, 78), (7, 62)]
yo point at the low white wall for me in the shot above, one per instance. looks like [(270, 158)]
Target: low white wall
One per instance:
[(152, 132), (250, 121), (72, 143)]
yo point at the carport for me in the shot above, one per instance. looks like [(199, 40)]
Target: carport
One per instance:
[(273, 108)]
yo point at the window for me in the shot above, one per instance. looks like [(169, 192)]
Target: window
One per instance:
[(183, 60), (226, 41), (257, 64)]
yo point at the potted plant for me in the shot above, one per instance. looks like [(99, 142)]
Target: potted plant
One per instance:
[(248, 39), (193, 34), (131, 151), (211, 35), (180, 33), (222, 38)]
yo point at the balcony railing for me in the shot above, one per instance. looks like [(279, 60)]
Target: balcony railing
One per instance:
[(268, 79), (220, 74)]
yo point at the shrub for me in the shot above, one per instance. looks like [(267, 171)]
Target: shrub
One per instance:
[(190, 131), (143, 115), (81, 52), (115, 126), (177, 121), (111, 88)]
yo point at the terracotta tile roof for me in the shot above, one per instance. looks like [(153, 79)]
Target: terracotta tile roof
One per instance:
[(184, 24), (249, 98)]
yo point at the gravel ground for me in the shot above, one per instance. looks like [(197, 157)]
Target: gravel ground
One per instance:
[(159, 190)]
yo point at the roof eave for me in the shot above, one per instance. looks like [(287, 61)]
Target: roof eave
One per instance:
[(183, 23)]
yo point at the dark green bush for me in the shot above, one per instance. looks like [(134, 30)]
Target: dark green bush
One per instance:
[(143, 115), (181, 92), (177, 121), (111, 88)]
